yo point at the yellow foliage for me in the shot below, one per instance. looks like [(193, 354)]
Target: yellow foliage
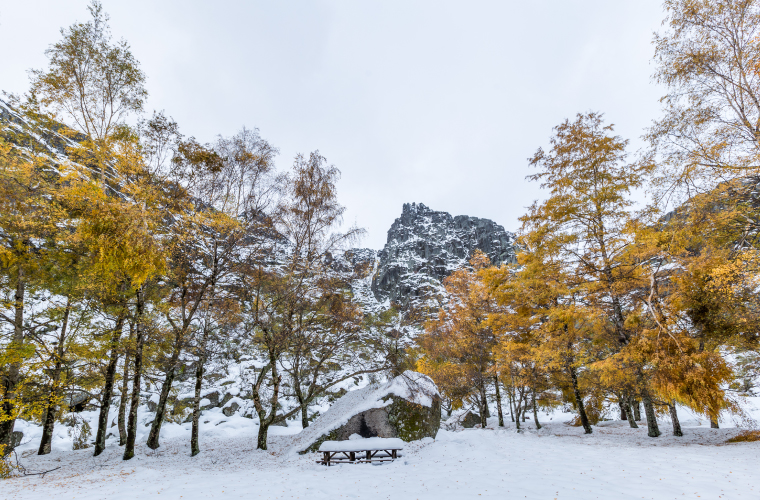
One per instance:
[(457, 346)]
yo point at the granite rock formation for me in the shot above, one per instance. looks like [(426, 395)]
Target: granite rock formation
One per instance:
[(406, 407), (424, 246)]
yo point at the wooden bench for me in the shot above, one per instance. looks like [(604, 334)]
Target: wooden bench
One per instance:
[(360, 451)]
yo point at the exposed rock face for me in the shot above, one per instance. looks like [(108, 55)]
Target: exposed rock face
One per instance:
[(424, 246), (43, 138)]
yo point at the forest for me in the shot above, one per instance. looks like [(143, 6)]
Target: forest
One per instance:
[(130, 251)]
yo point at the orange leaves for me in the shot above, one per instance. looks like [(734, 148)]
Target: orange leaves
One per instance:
[(457, 346)]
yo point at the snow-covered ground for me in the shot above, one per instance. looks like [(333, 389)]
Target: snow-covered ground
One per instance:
[(557, 462)]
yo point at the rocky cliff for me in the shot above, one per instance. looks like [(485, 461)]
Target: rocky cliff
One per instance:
[(424, 246)]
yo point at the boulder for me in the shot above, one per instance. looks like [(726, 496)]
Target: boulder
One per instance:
[(407, 407), (185, 371), (469, 420), (462, 419), (231, 409), (225, 399), (16, 437), (77, 401), (213, 398)]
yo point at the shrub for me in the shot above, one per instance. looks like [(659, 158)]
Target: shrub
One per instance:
[(7, 467), (80, 432), (745, 437)]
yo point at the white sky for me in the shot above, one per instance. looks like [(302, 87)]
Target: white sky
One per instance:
[(437, 102)]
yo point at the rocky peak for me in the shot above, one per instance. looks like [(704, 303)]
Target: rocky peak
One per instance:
[(424, 246)]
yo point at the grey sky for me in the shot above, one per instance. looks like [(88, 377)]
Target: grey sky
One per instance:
[(436, 102)]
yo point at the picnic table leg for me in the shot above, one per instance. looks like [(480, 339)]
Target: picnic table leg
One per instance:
[(369, 456), (352, 457), (393, 454)]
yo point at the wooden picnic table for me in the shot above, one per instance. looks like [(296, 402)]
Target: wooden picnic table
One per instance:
[(360, 451)]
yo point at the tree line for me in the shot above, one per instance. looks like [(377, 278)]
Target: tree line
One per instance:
[(637, 276)]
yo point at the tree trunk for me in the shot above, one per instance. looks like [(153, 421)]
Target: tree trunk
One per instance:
[(261, 441), (518, 411), (14, 368), (155, 428), (301, 402), (49, 423), (629, 410), (714, 423), (579, 400), (652, 428), (674, 418), (304, 416), (129, 448), (123, 403), (535, 411), (483, 405), (498, 401), (623, 413), (511, 406), (105, 403), (636, 409), (48, 427), (125, 391), (264, 420), (485, 400), (194, 446)]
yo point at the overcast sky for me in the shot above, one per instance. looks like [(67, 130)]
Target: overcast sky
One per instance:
[(436, 102)]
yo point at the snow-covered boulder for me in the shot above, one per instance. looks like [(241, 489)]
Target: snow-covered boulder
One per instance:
[(231, 408), (462, 419), (469, 419), (407, 407)]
